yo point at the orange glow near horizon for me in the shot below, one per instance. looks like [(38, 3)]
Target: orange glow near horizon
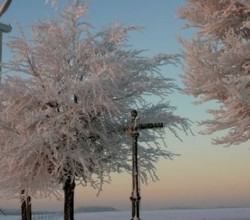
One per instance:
[(203, 177)]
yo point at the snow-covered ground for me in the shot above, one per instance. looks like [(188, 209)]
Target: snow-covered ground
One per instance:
[(202, 214), (196, 214)]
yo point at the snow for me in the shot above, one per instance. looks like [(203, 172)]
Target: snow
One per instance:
[(192, 214), (201, 214)]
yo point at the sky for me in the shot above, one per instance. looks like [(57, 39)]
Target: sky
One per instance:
[(204, 175)]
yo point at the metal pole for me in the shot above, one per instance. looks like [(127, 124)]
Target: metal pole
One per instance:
[(132, 130), (135, 195)]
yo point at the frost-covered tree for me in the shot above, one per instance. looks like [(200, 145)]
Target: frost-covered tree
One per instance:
[(63, 113), (217, 64)]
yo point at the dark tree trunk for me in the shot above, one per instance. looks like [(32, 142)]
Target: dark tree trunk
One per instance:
[(69, 187), (23, 210), (26, 207)]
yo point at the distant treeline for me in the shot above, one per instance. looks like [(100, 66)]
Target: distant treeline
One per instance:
[(95, 209)]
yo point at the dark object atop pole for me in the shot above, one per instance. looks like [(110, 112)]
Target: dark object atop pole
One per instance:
[(132, 130)]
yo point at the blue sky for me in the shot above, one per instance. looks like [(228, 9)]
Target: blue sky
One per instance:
[(204, 175)]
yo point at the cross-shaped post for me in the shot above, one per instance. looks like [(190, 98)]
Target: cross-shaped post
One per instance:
[(132, 129)]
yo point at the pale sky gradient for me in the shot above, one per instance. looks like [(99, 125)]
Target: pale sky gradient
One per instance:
[(204, 175)]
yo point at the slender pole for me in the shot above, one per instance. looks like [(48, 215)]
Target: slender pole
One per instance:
[(135, 195)]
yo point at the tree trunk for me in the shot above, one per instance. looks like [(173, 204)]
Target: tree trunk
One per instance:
[(23, 210), (69, 187), (26, 207)]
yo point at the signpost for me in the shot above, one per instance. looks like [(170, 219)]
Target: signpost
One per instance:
[(132, 129)]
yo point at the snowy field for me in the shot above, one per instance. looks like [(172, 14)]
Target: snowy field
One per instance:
[(204, 214), (196, 214)]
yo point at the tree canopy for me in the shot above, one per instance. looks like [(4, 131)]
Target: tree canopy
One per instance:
[(66, 99), (217, 64)]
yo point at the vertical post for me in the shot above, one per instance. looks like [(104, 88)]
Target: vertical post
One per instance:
[(135, 195), (132, 129)]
